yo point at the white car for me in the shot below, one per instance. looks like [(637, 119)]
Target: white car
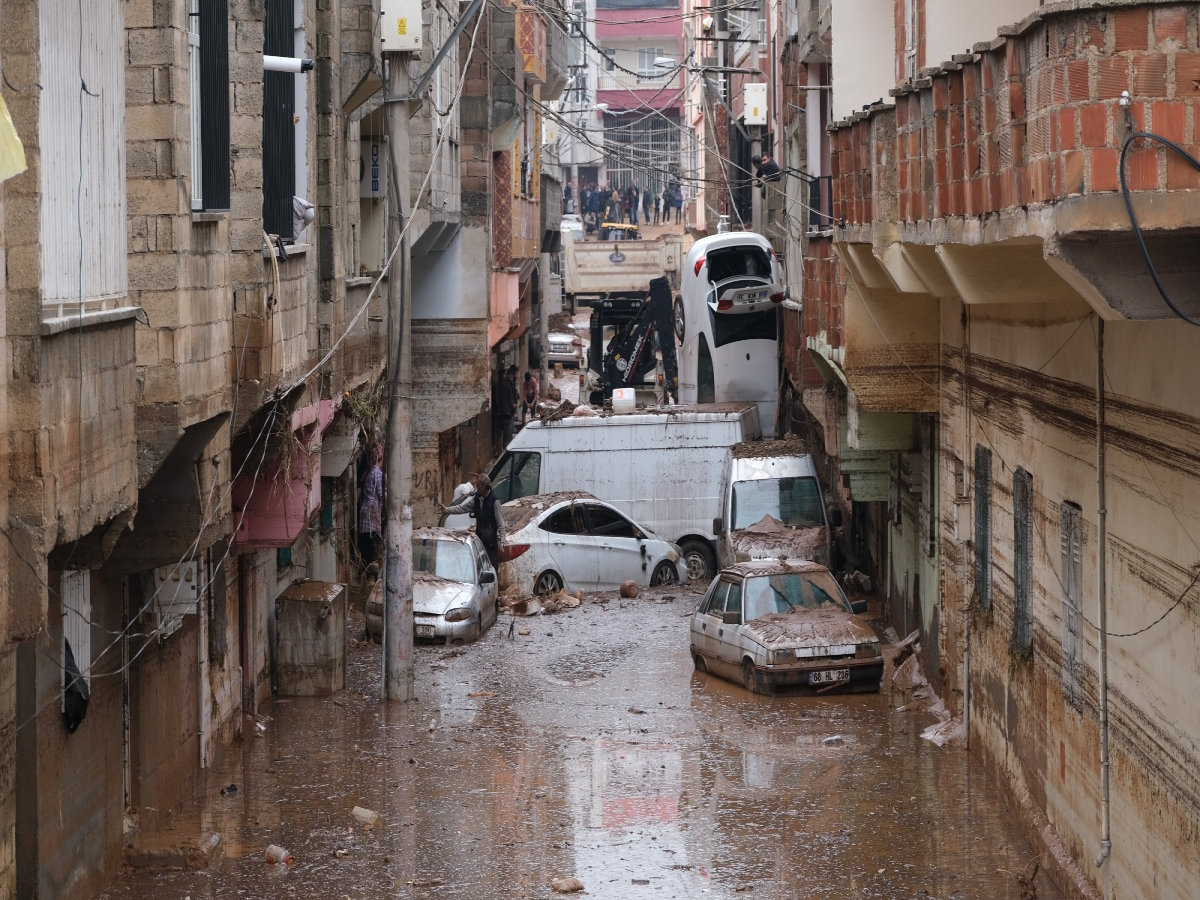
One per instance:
[(565, 348), (573, 541)]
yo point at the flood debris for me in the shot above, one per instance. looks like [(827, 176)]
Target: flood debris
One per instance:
[(570, 885), (524, 632), (341, 853), (629, 589), (479, 695), (561, 601), (229, 789), (368, 818), (859, 582), (833, 740), (277, 856), (425, 882)]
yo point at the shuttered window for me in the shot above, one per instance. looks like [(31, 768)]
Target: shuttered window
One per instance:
[(1072, 601), (81, 139), (983, 525), (208, 74), (77, 621), (279, 130), (1022, 560)]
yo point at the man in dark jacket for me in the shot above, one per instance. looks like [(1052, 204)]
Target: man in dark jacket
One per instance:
[(484, 505), (506, 403)]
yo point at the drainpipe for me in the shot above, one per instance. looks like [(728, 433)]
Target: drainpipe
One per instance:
[(1101, 567)]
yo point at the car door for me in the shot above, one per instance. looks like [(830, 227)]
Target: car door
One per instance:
[(569, 549), (729, 646), (710, 621), (619, 545), (488, 592)]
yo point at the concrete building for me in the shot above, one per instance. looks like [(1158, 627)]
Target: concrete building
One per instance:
[(179, 434), (992, 346)]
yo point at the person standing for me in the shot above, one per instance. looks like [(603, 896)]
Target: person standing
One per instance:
[(632, 202), (370, 509), (666, 205), (506, 404), (489, 517), (678, 204), (616, 207), (657, 207), (530, 393), (647, 199)]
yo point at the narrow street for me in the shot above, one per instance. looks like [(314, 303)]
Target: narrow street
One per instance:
[(588, 747)]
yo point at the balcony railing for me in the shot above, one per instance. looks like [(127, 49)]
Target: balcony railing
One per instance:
[(667, 82)]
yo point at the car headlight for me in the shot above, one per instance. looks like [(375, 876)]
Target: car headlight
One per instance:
[(866, 651), (458, 615), (781, 657)]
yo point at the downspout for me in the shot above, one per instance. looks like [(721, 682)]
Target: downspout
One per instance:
[(1101, 570)]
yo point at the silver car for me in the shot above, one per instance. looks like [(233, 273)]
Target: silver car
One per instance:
[(565, 348), (455, 598), (784, 623)]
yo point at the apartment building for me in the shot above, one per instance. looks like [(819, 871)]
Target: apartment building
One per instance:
[(1003, 398)]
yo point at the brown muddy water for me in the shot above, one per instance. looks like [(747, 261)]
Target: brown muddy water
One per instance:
[(591, 749)]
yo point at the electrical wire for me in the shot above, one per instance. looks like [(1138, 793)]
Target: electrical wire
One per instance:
[(1137, 228)]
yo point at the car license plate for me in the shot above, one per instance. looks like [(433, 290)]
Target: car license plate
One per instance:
[(752, 296), (829, 676), (427, 631)]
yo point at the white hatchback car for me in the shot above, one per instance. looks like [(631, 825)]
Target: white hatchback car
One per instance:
[(575, 541)]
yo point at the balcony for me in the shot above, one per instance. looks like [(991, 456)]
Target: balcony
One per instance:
[(620, 90), (557, 63), (994, 178), (531, 38)]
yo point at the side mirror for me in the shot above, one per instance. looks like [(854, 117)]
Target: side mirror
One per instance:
[(718, 525), (488, 577), (731, 617), (835, 518)]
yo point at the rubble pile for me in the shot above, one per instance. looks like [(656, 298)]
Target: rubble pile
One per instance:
[(768, 538)]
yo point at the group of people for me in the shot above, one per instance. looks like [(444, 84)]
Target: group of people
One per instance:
[(610, 204), (511, 401)]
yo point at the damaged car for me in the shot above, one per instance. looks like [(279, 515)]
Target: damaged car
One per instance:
[(784, 624), (455, 594), (572, 540)]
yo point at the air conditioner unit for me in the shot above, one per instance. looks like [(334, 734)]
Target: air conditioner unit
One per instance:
[(172, 593)]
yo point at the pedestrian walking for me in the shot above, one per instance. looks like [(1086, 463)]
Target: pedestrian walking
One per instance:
[(529, 397), (647, 200), (370, 509), (506, 404), (489, 517)]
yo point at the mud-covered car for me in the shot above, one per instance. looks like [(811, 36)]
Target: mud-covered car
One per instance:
[(784, 625), (566, 349), (455, 596)]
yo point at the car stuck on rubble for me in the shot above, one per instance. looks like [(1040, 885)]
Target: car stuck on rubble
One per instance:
[(784, 624), (572, 540)]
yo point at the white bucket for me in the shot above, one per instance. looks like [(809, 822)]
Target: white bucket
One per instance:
[(623, 400)]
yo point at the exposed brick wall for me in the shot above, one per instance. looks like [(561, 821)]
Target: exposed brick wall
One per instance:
[(1035, 118)]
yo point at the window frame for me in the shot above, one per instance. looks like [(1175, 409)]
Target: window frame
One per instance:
[(983, 525), (208, 75), (1023, 502)]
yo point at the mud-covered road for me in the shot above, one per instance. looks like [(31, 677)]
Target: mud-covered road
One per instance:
[(590, 748)]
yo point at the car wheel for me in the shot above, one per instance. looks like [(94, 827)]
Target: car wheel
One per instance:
[(699, 663), (748, 675), (664, 573), (699, 560), (679, 323), (548, 583)]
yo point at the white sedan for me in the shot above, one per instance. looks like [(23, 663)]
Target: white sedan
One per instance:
[(573, 541)]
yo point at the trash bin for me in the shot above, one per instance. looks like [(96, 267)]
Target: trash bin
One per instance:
[(310, 639)]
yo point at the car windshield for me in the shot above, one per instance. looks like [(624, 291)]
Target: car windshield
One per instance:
[(791, 592), (447, 559), (793, 501), (740, 259)]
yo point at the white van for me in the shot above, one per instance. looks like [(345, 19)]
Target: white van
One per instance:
[(773, 506), (727, 321), (661, 466)]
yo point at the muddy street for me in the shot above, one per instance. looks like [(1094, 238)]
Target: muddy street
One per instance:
[(588, 747)]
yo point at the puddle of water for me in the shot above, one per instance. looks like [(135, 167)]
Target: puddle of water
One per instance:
[(601, 757)]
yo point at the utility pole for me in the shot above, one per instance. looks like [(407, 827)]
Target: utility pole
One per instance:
[(397, 597), (756, 205), (544, 323)]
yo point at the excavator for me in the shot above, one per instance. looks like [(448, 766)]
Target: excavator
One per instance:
[(629, 356)]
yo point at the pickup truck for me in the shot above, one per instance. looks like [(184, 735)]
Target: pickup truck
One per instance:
[(616, 269)]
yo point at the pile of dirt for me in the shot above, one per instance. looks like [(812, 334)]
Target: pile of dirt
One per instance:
[(768, 538), (788, 446), (561, 322)]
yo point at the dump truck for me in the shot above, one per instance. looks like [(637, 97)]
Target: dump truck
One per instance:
[(617, 269)]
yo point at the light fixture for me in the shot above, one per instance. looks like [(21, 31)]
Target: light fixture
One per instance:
[(294, 65)]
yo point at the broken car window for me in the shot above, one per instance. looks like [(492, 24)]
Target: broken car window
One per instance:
[(446, 559), (516, 475), (793, 501), (790, 592), (605, 522), (561, 522)]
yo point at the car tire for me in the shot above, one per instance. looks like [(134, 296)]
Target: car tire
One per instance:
[(664, 573), (679, 320), (699, 559), (549, 582), (748, 680), (699, 663)]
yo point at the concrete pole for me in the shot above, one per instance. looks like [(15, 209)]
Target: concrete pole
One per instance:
[(544, 324), (756, 200), (397, 602)]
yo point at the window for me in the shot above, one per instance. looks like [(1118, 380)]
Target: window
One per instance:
[(1022, 561), (716, 601), (446, 559), (279, 125), (605, 522), (82, 151), (516, 475), (646, 66), (793, 501), (208, 74), (733, 600), (77, 623), (983, 525), (283, 558), (562, 522), (610, 60), (1072, 602)]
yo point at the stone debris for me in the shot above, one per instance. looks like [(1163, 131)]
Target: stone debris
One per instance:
[(478, 695), (566, 885), (629, 589), (368, 818), (833, 740)]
